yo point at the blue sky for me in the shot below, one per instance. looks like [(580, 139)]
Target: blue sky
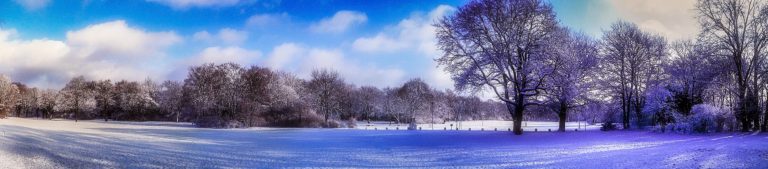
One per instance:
[(380, 43)]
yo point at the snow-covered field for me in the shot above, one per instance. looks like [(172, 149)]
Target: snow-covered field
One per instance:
[(30, 143), (479, 125)]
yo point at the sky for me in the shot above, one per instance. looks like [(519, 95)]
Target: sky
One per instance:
[(383, 43)]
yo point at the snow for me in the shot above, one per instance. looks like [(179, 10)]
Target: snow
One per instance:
[(479, 125), (33, 143)]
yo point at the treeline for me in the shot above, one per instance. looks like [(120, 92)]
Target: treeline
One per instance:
[(229, 95), (518, 49)]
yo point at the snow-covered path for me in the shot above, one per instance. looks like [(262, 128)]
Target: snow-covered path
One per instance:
[(29, 143)]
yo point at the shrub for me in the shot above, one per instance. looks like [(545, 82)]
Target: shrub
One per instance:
[(704, 118), (351, 123)]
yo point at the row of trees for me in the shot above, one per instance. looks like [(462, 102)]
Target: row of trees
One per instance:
[(514, 48), (229, 95), (518, 50)]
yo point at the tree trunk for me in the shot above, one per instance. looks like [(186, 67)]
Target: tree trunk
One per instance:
[(517, 116), (563, 116)]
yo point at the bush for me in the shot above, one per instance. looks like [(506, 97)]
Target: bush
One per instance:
[(704, 118), (331, 124), (351, 123)]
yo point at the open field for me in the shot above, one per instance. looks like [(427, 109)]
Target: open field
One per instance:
[(30, 143)]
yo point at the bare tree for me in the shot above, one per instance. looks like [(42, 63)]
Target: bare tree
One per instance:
[(9, 96), (631, 63), (256, 89), (326, 86), (692, 70), (738, 29), (77, 98), (416, 96), (103, 91), (171, 98), (502, 45), (575, 64), (47, 103), (213, 95)]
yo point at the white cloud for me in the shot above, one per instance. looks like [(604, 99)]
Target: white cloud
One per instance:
[(202, 36), (116, 38), (674, 19), (33, 5), (219, 55), (110, 50), (261, 20), (340, 22), (355, 72), (294, 58), (186, 4), (232, 36), (227, 36), (377, 44), (414, 35), (282, 55)]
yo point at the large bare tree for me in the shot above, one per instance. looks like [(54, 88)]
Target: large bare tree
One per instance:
[(9, 96), (576, 62), (327, 86), (631, 62), (501, 45), (739, 29)]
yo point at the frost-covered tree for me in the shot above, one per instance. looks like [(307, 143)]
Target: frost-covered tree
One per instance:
[(103, 91), (575, 62), (212, 94), (326, 87), (631, 62), (47, 103), (9, 96), (256, 89), (393, 105), (692, 70), (501, 45), (659, 107), (416, 96), (126, 100), (171, 99), (76, 98), (27, 102), (372, 100), (739, 31), (291, 103)]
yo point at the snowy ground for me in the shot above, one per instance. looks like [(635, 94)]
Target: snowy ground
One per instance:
[(29, 143), (478, 125)]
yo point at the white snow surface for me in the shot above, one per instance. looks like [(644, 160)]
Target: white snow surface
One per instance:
[(479, 125), (36, 143)]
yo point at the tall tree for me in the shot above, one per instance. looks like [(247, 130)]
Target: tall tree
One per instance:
[(256, 87), (47, 103), (692, 69), (76, 97), (416, 96), (213, 95), (103, 91), (326, 86), (631, 63), (9, 96), (171, 98), (576, 62), (738, 28), (502, 45)]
